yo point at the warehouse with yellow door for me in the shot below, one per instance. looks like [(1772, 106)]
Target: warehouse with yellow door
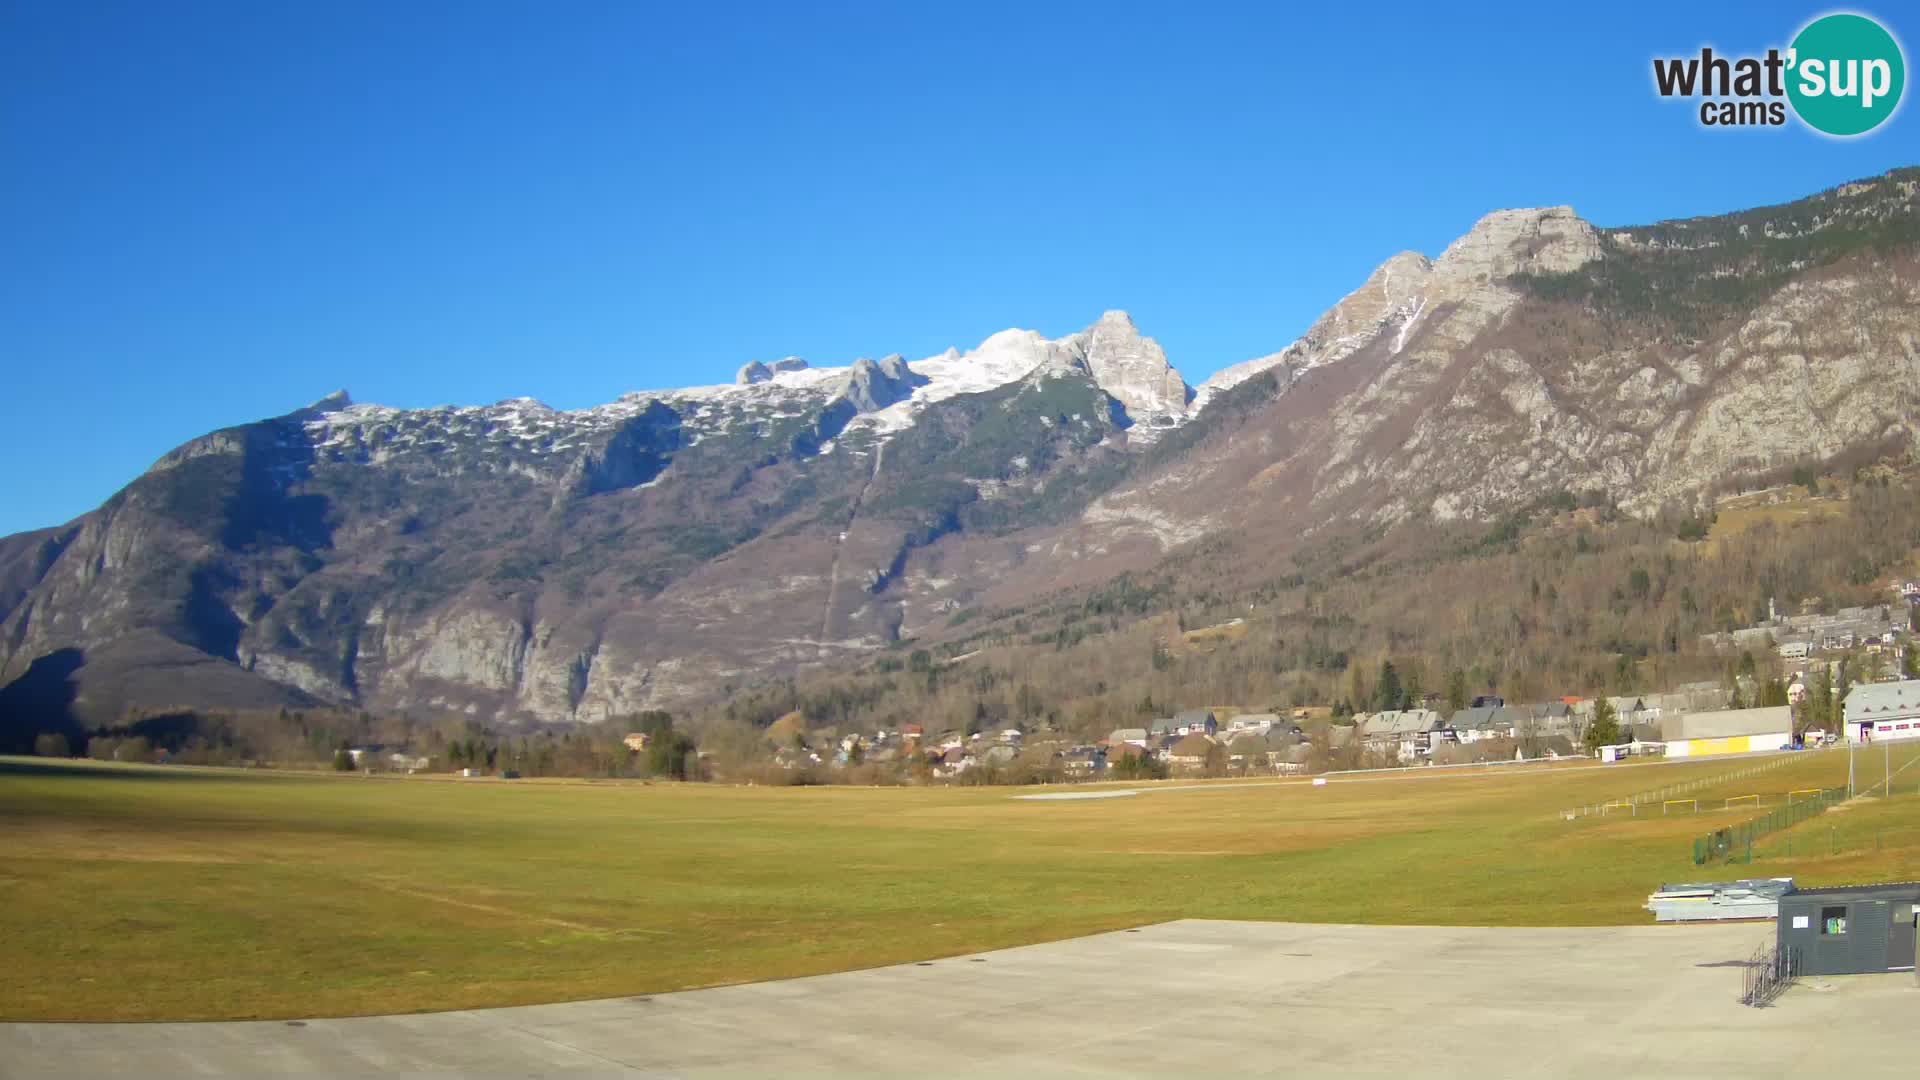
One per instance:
[(1728, 731)]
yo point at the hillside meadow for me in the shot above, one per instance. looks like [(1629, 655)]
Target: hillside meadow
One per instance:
[(145, 893)]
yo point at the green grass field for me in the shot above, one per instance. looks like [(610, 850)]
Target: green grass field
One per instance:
[(167, 893)]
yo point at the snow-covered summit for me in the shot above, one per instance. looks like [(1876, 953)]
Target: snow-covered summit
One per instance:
[(887, 395)]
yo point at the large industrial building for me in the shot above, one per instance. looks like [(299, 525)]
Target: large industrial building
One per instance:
[(1879, 711), (1728, 731)]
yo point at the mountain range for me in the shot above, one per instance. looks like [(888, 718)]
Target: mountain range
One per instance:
[(516, 562)]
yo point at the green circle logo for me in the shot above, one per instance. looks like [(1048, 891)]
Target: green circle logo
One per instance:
[(1846, 74)]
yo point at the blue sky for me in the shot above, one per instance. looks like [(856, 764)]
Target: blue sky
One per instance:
[(211, 213)]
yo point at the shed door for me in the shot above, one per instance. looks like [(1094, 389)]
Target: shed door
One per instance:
[(1871, 926), (1900, 937)]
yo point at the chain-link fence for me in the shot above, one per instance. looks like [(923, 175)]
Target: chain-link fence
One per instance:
[(1735, 843)]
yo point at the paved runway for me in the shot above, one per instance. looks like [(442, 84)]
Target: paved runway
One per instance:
[(1189, 998)]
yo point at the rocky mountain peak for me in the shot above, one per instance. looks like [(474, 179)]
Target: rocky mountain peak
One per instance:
[(872, 385), (1132, 369), (754, 372), (1549, 240), (1401, 290), (335, 402)]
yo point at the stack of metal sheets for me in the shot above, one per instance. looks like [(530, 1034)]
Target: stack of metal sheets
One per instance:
[(1754, 898)]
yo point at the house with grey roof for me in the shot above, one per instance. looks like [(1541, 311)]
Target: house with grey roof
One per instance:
[(1246, 750), (1475, 724), (1297, 758), (1000, 754), (1875, 712), (1195, 721), (1412, 731), (1137, 736), (1084, 760), (1255, 722), (1281, 738)]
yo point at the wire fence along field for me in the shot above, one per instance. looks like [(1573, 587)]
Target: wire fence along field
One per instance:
[(1659, 796), (1735, 842)]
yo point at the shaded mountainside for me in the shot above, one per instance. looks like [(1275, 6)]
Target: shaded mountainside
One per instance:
[(514, 561)]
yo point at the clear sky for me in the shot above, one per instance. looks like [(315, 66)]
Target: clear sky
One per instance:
[(211, 213)]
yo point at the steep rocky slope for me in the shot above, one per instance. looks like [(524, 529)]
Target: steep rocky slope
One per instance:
[(520, 561), (514, 561), (1540, 354)]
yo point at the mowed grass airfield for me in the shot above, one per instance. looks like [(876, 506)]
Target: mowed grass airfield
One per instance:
[(172, 893)]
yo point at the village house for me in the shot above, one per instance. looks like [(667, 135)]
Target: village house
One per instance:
[(954, 761), (1131, 735), (1248, 750), (1471, 725), (1258, 723), (1547, 748), (1410, 731), (1190, 753), (1191, 721), (1882, 711), (1083, 761), (999, 755)]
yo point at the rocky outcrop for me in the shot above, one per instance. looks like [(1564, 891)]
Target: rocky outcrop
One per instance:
[(872, 385), (632, 454), (1133, 370), (1508, 242)]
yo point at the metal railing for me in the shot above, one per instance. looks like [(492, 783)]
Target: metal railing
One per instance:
[(1769, 972)]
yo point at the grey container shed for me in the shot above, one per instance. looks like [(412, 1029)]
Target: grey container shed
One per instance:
[(1852, 930)]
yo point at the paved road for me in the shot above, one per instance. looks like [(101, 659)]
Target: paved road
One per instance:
[(1190, 998)]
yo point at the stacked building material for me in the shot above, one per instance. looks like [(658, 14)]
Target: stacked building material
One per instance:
[(1753, 898)]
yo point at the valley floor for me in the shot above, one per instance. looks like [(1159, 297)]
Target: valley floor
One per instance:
[(168, 893)]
